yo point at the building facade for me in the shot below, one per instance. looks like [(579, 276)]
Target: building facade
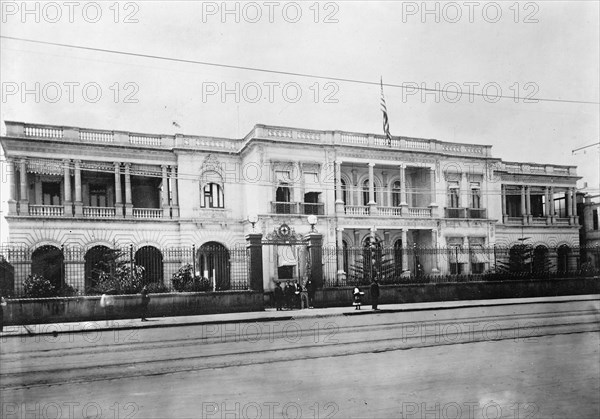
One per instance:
[(76, 187)]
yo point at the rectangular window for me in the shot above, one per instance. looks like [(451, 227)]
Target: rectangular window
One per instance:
[(98, 195), (513, 203), (212, 196), (475, 196), (453, 195), (51, 193)]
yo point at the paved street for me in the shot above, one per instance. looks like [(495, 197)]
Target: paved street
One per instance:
[(525, 361)]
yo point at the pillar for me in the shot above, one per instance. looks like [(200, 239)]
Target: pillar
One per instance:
[(339, 201), (165, 192), (118, 192), (464, 190), (528, 203), (569, 205), (128, 204), (372, 204), (68, 205), (405, 270), (10, 178), (547, 208), (523, 208), (552, 209), (175, 192), (254, 245), (341, 274), (78, 199), (574, 206), (24, 200), (434, 260), (433, 204), (315, 249), (403, 200), (503, 197)]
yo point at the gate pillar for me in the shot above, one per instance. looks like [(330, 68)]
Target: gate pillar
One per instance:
[(254, 245), (315, 250)]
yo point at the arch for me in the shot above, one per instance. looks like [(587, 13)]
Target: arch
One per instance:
[(98, 260), (541, 263), (152, 260), (562, 258), (213, 262), (396, 189), (47, 261)]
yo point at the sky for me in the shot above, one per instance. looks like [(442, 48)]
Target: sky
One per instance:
[(546, 50)]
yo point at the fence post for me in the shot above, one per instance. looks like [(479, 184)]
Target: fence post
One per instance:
[(131, 261), (315, 248), (254, 245), (62, 266), (194, 260)]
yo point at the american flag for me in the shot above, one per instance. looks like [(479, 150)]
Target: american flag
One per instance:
[(386, 124)]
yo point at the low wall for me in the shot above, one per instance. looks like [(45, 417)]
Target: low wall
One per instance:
[(453, 291), (73, 309)]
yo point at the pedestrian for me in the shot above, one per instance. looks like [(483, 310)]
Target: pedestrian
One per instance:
[(304, 302), (145, 302), (310, 289), (107, 302), (288, 291), (2, 305), (278, 295), (297, 292), (374, 293), (357, 298)]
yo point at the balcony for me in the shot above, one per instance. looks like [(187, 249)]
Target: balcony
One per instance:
[(284, 207), (46, 210), (419, 212), (99, 212), (466, 213), (390, 211), (148, 213), (477, 213), (312, 208), (356, 210)]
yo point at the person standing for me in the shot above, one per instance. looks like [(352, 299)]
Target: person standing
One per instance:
[(145, 302), (278, 295), (374, 294), (107, 302), (357, 299), (2, 304), (310, 289), (288, 291)]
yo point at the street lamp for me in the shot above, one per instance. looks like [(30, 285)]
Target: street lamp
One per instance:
[(312, 220), (253, 219)]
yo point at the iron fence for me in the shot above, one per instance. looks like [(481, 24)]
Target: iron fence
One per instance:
[(417, 265), (70, 270)]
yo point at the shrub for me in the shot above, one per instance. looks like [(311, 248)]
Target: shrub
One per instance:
[(157, 288), (36, 286), (124, 280), (186, 280)]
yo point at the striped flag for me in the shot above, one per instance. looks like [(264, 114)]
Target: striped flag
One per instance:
[(386, 124)]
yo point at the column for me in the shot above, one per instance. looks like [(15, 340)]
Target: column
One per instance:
[(339, 201), (464, 190), (118, 192), (503, 198), (341, 274), (523, 208), (254, 245), (405, 270), (372, 204), (547, 208), (175, 192), (403, 201), (78, 200), (434, 260), (569, 204), (68, 205), (315, 248), (433, 205), (384, 194), (528, 203), (10, 178), (552, 209), (574, 210), (24, 201), (165, 192), (128, 204)]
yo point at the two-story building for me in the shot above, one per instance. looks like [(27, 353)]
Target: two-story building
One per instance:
[(86, 189)]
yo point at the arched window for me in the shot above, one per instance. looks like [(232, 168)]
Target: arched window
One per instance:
[(99, 260), (214, 264), (47, 261), (152, 260), (396, 195), (212, 196)]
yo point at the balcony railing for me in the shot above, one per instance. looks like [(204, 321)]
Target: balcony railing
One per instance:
[(416, 212), (389, 211), (317, 208), (46, 210), (147, 213), (284, 207), (99, 212), (357, 210), (477, 213), (456, 213)]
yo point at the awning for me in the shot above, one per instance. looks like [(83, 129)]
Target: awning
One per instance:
[(286, 256)]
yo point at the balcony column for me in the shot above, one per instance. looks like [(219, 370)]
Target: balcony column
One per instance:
[(165, 192), (341, 274), (503, 198), (552, 210), (118, 192), (528, 203), (339, 196), (128, 204), (523, 208), (547, 205), (385, 191), (403, 201), (433, 205), (78, 200), (405, 271), (570, 205), (68, 205), (12, 190), (24, 200), (372, 204), (175, 192), (464, 191), (574, 201)]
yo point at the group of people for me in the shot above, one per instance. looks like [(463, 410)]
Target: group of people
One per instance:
[(357, 295), (293, 295)]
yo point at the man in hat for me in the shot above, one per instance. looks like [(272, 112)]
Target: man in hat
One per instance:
[(374, 293)]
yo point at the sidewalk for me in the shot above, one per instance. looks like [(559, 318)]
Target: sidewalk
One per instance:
[(270, 315)]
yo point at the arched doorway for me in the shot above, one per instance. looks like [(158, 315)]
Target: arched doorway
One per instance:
[(152, 260), (47, 261), (214, 264), (99, 260), (541, 262), (562, 258)]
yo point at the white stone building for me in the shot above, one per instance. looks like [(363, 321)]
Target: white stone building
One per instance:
[(83, 187)]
